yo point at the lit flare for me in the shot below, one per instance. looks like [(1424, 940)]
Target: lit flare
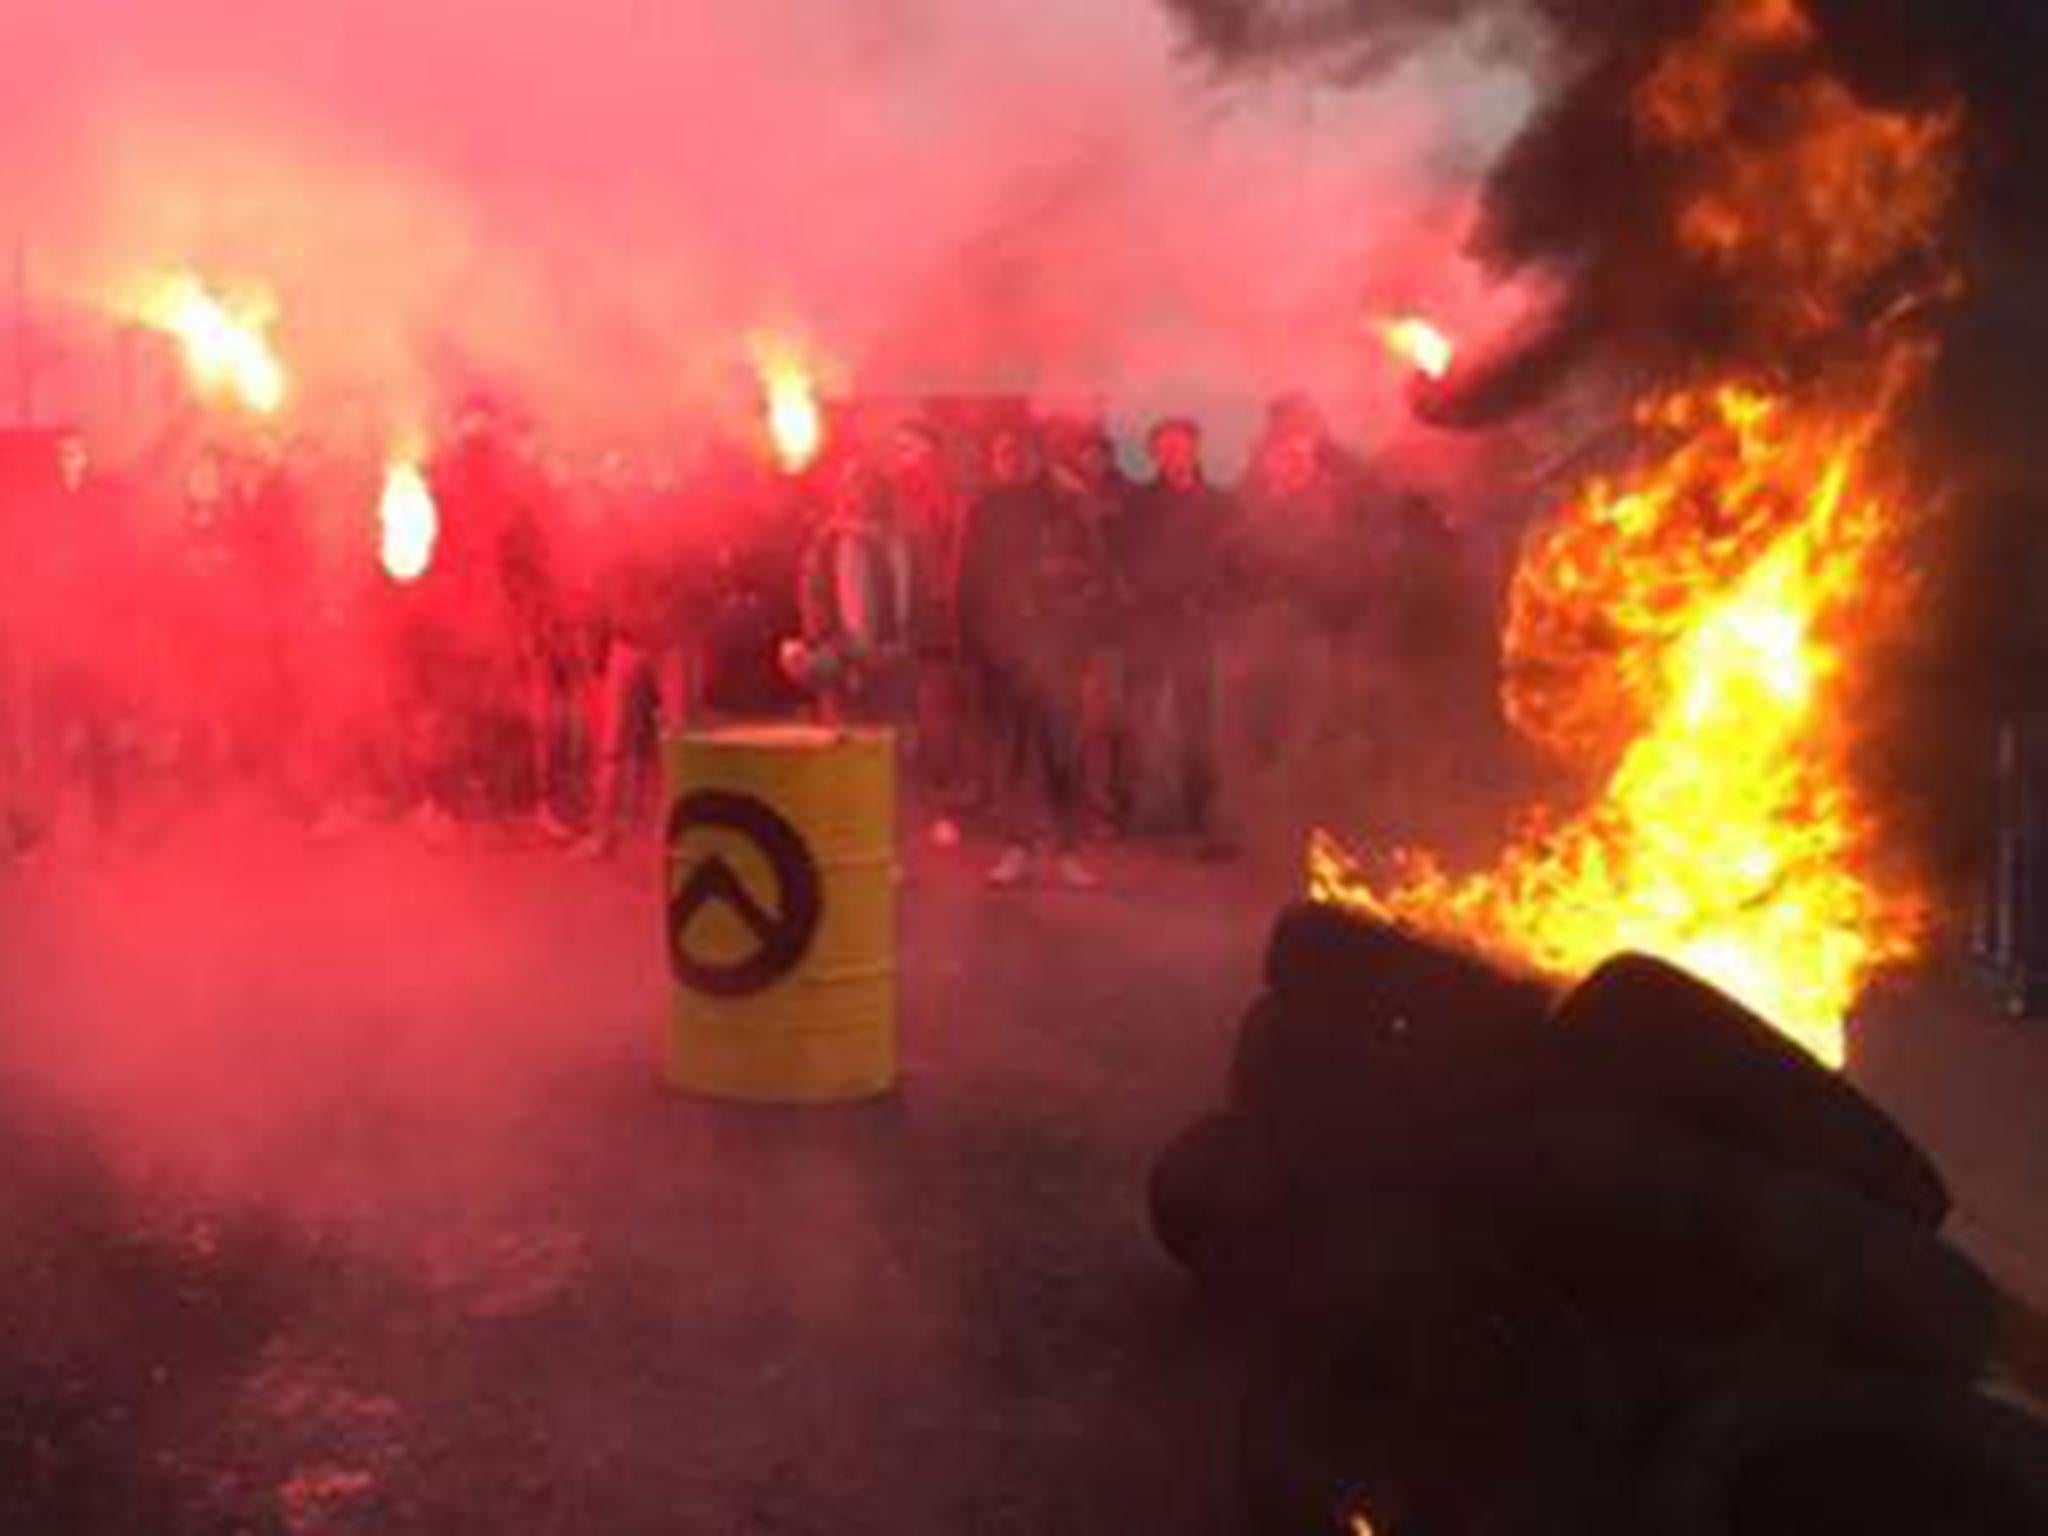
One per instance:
[(225, 341), (409, 521), (1420, 344), (796, 424)]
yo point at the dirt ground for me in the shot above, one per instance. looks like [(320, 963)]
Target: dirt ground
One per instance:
[(343, 1199)]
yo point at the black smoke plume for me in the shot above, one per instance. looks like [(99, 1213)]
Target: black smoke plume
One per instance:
[(1584, 198)]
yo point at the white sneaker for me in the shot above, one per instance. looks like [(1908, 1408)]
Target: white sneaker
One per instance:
[(1075, 875), (1012, 869)]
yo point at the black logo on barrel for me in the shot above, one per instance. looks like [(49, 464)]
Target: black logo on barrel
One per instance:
[(782, 932)]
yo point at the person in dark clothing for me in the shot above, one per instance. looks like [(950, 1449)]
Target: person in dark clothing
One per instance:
[(1095, 490), (743, 677), (70, 644), (1436, 712), (930, 512), (1308, 540), (349, 768), (927, 511), (639, 619), (456, 629), (1025, 559), (279, 563), (535, 763), (2025, 774), (1171, 550), (1301, 658), (212, 608), (1435, 624), (2028, 997), (608, 626), (491, 607)]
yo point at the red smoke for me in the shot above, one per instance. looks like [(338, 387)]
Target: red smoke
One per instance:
[(589, 208), (590, 205)]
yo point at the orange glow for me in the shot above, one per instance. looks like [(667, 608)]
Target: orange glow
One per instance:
[(1837, 191), (409, 520), (796, 425), (226, 343), (1417, 342), (1696, 625), (1689, 635)]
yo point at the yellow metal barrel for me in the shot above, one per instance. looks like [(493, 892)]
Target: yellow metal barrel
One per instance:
[(781, 914)]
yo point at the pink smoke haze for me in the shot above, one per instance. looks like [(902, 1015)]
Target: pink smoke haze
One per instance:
[(593, 209), (589, 206)]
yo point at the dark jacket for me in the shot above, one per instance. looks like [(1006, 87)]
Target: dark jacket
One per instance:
[(1003, 553), (1171, 553), (1318, 548), (742, 676)]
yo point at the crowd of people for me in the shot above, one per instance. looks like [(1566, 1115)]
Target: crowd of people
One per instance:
[(1067, 652)]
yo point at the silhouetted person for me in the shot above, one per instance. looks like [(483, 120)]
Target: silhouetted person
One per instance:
[(950, 755), (2026, 747), (1172, 551), (1023, 561), (743, 677), (486, 600), (73, 644), (1298, 646)]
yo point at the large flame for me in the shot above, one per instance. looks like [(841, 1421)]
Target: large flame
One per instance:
[(1419, 343), (1688, 634), (409, 521), (1707, 611), (796, 425), (225, 341)]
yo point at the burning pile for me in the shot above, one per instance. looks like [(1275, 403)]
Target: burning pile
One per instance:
[(1691, 631), (1690, 634), (1624, 1258), (1625, 1261)]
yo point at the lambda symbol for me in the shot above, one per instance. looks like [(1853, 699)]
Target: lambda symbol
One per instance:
[(782, 935)]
